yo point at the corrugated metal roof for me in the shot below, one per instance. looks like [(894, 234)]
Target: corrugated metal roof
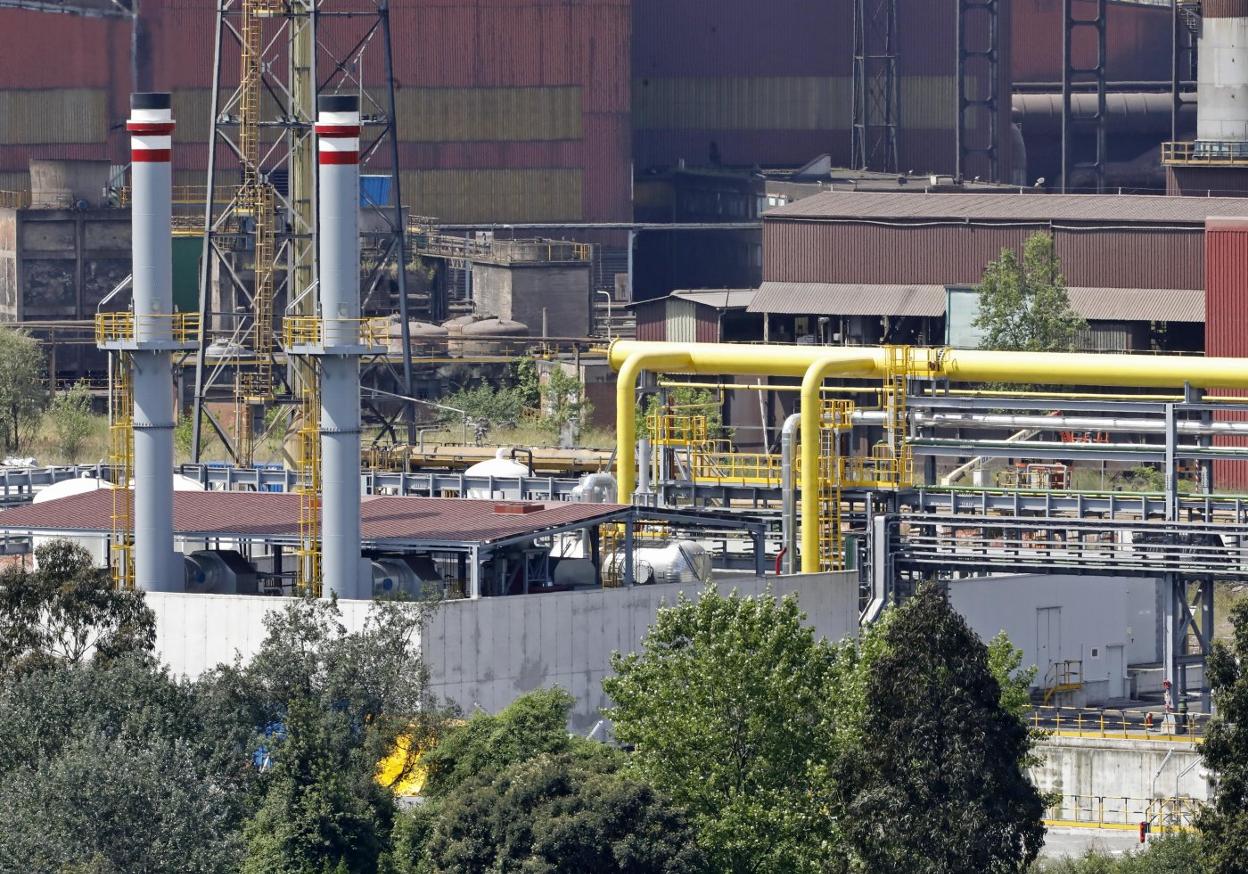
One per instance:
[(250, 514), (1094, 304), (720, 298), (1106, 208), (1138, 304), (814, 298)]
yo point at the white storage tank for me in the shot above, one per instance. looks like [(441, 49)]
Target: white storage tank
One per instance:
[(502, 465), (684, 561), (596, 488)]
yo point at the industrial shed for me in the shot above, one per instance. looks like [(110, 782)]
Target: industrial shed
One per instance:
[(704, 315), (1125, 258)]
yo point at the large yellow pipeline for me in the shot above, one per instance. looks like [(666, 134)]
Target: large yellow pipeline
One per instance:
[(812, 410), (815, 363)]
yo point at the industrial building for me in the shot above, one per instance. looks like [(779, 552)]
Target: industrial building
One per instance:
[(386, 201)]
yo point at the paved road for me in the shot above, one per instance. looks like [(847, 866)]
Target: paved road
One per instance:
[(1061, 842)]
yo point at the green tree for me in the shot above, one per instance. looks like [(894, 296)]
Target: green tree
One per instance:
[(1023, 305), (948, 791), (486, 744), (116, 767), (724, 707), (1224, 824), (22, 386), (72, 420), (333, 703), (555, 813), (68, 610)]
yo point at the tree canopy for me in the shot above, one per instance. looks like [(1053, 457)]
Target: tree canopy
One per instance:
[(23, 388), (1224, 824), (723, 707), (1023, 305), (948, 792), (68, 610)]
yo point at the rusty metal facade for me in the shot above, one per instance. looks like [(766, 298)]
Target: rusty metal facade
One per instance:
[(952, 254), (1226, 321)]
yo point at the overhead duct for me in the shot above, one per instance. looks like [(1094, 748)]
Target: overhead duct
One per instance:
[(338, 212)]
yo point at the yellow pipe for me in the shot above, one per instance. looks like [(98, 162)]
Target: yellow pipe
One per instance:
[(812, 382), (958, 365), (645, 357), (758, 386)]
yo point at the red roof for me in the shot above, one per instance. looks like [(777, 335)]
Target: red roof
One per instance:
[(267, 514)]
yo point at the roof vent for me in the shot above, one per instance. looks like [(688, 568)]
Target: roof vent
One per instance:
[(516, 508)]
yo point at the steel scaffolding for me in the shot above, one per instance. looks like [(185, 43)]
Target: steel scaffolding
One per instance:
[(260, 245), (876, 87)]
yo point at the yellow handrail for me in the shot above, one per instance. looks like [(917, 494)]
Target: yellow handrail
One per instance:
[(309, 330), (1119, 724), (1123, 812), (121, 326)]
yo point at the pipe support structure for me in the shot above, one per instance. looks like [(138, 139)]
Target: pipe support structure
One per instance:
[(629, 369), (631, 357), (151, 133)]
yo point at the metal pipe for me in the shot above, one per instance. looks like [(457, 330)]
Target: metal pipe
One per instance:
[(629, 368), (812, 410), (338, 208), (955, 365), (1078, 423), (151, 135), (788, 512)]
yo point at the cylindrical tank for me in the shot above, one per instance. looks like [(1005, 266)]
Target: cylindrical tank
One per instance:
[(503, 467), (455, 330), (681, 562), (393, 577), (596, 488), (487, 329), (684, 561), (573, 572), (1222, 79), (421, 335), (218, 572)]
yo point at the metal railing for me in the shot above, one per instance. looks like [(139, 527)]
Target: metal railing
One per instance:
[(121, 326), (428, 241), (1125, 813), (1205, 153), (1153, 725), (310, 330)]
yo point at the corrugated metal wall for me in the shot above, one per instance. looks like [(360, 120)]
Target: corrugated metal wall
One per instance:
[(954, 254), (517, 109), (651, 320), (772, 86), (1138, 40), (1226, 323)]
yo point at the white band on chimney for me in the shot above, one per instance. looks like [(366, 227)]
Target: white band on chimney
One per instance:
[(156, 115), (338, 118)]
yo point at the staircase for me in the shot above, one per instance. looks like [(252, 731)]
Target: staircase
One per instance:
[(622, 323)]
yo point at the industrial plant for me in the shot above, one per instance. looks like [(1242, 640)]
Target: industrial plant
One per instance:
[(285, 242)]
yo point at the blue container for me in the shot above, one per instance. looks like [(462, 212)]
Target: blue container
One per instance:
[(375, 190)]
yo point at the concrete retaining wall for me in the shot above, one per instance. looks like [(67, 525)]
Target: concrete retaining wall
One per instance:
[(485, 653), (1093, 768)]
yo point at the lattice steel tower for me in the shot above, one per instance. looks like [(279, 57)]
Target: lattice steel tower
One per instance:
[(877, 91), (260, 245)]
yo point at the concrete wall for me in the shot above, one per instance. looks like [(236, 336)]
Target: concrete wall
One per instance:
[(1093, 768), (485, 653), (521, 291), (1108, 623)]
